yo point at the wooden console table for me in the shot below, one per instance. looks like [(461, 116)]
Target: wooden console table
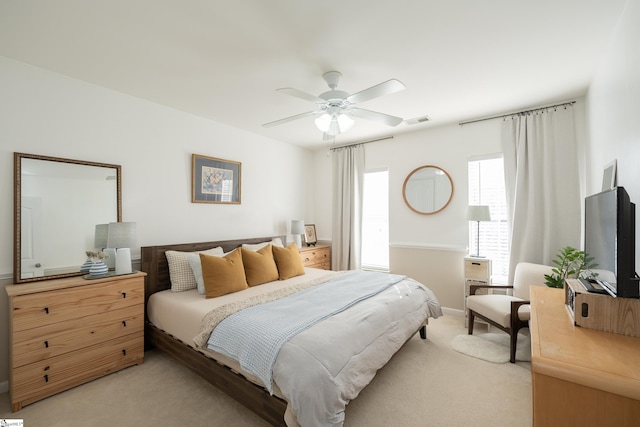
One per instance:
[(580, 376)]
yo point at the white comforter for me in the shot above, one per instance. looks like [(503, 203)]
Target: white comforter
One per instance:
[(321, 369)]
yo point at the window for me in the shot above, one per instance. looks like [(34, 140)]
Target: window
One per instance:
[(486, 187), (375, 221)]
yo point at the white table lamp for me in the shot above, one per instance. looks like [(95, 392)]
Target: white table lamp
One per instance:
[(297, 228), (478, 213), (121, 237), (102, 232)]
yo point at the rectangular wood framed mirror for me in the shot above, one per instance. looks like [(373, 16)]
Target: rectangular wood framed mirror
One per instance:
[(57, 204)]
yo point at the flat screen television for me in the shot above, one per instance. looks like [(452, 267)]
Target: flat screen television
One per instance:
[(609, 237)]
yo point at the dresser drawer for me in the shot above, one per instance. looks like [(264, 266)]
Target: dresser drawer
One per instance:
[(33, 345), (38, 380), (323, 265), (35, 310), (315, 256)]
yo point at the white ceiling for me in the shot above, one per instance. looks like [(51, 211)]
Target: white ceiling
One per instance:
[(223, 60)]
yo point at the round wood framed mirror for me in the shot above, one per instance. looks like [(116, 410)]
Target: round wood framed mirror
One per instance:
[(427, 189)]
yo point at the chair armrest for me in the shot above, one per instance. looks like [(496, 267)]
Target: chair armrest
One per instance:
[(474, 288), (515, 305), (516, 323)]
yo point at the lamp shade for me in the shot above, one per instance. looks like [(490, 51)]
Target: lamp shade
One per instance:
[(297, 226), (102, 231), (121, 235), (478, 213)]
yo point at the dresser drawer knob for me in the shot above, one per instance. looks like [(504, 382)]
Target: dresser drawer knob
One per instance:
[(46, 310), (46, 344)]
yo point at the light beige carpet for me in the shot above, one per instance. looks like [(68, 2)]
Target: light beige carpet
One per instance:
[(492, 347), (426, 384)]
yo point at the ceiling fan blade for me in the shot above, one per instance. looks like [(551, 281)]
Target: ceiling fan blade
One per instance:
[(382, 89), (299, 94), (375, 116), (291, 118)]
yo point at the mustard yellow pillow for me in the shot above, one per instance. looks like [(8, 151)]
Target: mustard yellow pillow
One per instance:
[(223, 275), (288, 261), (259, 266)]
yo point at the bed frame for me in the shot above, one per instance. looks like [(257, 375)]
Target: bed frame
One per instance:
[(154, 262)]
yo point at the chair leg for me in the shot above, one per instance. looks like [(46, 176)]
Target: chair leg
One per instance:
[(512, 349), (470, 320)]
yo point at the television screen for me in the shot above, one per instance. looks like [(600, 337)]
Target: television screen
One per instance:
[(610, 239)]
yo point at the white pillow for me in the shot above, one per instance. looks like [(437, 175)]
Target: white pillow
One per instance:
[(196, 268), (257, 246), (180, 272)]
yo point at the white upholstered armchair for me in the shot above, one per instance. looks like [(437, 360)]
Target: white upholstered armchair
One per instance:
[(506, 312)]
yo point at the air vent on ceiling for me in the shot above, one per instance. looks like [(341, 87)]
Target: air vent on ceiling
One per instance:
[(417, 120)]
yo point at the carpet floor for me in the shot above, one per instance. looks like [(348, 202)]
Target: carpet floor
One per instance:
[(425, 384), (492, 347)]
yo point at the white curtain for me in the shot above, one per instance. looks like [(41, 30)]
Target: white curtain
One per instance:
[(542, 184), (348, 176)]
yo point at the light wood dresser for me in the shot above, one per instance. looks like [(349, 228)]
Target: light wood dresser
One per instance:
[(580, 376), (65, 332), (318, 256)]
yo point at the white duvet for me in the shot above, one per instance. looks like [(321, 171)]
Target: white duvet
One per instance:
[(324, 367)]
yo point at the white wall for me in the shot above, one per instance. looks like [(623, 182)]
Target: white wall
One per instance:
[(613, 111), (49, 114)]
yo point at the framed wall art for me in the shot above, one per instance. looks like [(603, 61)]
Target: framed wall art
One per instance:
[(310, 234), (215, 180)]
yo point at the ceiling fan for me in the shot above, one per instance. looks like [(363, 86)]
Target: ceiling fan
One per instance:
[(335, 108)]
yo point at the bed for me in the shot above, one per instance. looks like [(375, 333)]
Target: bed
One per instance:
[(273, 401)]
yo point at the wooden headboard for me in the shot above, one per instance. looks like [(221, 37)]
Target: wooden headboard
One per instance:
[(154, 261)]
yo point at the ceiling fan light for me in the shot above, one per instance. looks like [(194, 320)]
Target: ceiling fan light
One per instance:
[(344, 122), (323, 122), (334, 128)]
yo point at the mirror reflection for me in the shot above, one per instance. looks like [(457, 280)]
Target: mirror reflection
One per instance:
[(427, 190), (61, 201)]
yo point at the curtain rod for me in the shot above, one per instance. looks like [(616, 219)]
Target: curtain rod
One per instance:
[(517, 112), (361, 143)]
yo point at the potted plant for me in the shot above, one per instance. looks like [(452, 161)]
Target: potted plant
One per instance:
[(570, 263)]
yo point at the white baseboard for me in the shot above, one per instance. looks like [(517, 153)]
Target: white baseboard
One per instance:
[(453, 311), (4, 387)]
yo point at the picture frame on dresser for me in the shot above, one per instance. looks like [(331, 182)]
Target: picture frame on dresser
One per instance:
[(310, 237), (215, 180), (609, 176)]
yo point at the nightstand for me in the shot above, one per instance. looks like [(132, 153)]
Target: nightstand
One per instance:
[(477, 271), (318, 256)]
